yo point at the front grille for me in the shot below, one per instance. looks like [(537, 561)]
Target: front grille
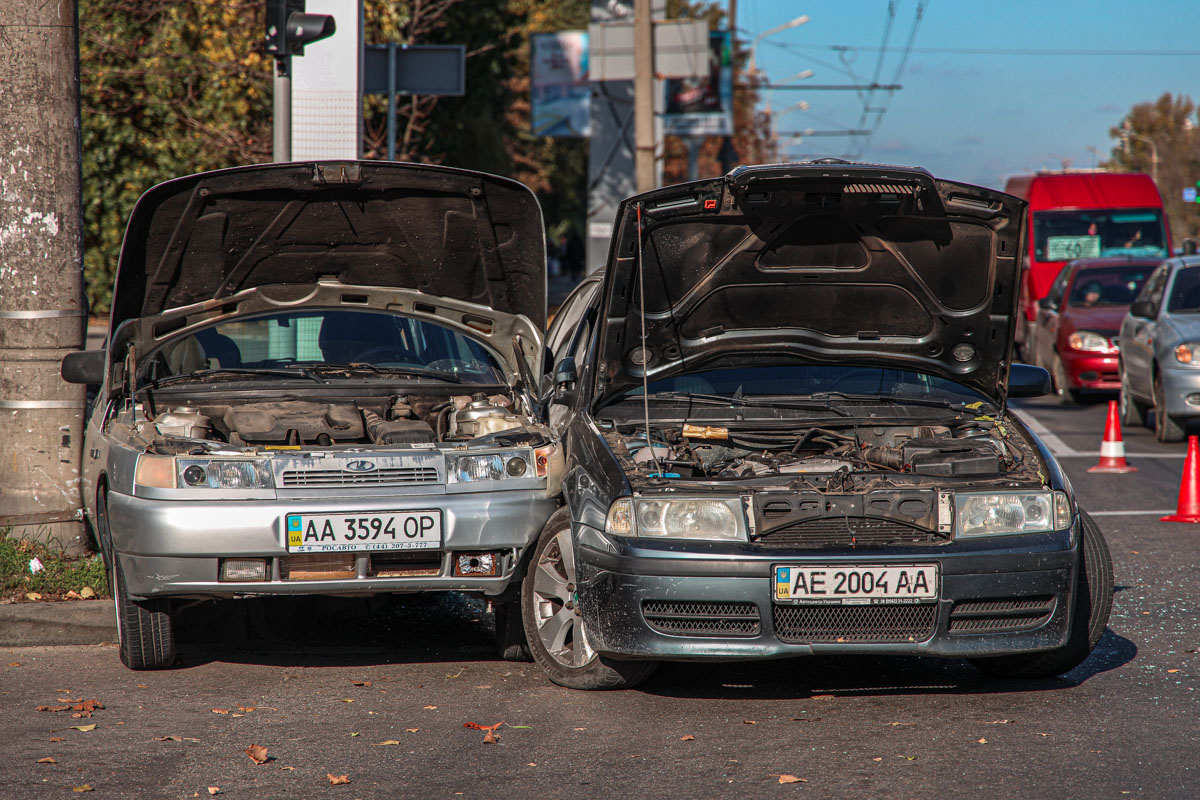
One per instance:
[(702, 619), (998, 615), (390, 476), (830, 532), (870, 624)]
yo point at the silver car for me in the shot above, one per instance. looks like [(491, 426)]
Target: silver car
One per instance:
[(318, 381), (1160, 350)]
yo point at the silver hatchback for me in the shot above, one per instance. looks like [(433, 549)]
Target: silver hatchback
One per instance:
[(318, 382)]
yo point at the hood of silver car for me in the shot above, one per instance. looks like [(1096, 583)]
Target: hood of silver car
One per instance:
[(444, 232), (815, 262)]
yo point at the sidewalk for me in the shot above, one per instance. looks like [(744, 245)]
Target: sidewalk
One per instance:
[(66, 622)]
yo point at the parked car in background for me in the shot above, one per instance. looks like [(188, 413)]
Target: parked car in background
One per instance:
[(320, 380), (1160, 350), (1083, 214), (786, 434), (1075, 337)]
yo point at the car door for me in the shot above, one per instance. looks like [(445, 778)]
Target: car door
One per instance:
[(568, 336), (1048, 315), (1138, 334)]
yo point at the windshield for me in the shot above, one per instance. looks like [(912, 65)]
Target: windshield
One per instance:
[(313, 338), (1064, 235), (1107, 286), (1185, 291), (809, 380)]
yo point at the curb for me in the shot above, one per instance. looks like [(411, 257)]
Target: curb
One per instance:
[(54, 623)]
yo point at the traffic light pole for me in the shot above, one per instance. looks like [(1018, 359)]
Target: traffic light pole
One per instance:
[(282, 149)]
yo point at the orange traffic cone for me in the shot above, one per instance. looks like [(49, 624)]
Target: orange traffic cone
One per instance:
[(1188, 508), (1112, 449)]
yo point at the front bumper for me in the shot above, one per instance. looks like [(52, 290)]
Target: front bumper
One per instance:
[(642, 601), (1091, 371), (1178, 386), (173, 548)]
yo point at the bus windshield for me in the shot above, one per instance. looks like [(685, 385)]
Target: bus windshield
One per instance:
[(1064, 235)]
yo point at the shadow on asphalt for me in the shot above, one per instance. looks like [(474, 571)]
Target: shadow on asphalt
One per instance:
[(866, 676), (324, 631)]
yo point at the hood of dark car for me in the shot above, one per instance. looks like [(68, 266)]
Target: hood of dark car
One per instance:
[(445, 232), (814, 262)]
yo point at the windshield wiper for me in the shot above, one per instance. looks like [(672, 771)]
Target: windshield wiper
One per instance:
[(419, 372), (935, 402), (208, 373), (749, 402)]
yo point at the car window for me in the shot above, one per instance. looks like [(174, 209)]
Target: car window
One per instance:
[(1058, 288), (1185, 291), (335, 336), (1107, 286), (1152, 292), (573, 309)]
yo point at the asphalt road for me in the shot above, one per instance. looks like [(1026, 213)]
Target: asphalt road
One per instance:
[(331, 684)]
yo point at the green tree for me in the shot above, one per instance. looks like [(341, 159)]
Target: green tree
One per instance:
[(1169, 126)]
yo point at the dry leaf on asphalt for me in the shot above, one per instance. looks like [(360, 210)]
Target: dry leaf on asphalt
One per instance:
[(36, 596), (246, 709), (18, 663), (87, 787), (361, 683), (898, 724), (411, 730), (53, 708), (1172, 670), (687, 737), (57, 739), (792, 779), (47, 760), (85, 728), (257, 753), (167, 739), (334, 780), (430, 708), (491, 737), (220, 710), (476, 726), (981, 741), (214, 790), (749, 722), (386, 742), (877, 759)]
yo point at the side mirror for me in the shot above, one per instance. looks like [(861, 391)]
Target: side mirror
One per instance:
[(1143, 309), (1026, 380), (565, 376), (84, 366)]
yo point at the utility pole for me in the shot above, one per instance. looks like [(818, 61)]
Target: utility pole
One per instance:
[(643, 95), (41, 273)]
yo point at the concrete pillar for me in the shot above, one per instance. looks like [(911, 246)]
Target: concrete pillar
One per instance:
[(42, 314)]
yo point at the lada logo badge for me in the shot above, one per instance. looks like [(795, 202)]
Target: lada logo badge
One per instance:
[(360, 466)]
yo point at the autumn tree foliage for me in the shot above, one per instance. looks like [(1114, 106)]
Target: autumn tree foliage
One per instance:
[(1172, 124)]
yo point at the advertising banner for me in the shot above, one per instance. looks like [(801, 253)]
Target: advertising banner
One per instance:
[(560, 90), (704, 106)]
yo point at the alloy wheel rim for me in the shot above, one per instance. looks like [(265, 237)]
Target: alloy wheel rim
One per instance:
[(556, 611)]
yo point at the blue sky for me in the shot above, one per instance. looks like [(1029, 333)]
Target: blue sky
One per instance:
[(976, 116)]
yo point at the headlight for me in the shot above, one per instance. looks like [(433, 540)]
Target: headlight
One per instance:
[(488, 467), (1187, 352), (168, 472), (677, 518), (223, 473), (1091, 342), (995, 514)]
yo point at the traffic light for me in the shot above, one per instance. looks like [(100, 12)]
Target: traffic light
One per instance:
[(289, 28)]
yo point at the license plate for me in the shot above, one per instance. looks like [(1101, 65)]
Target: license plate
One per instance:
[(856, 585), (377, 530)]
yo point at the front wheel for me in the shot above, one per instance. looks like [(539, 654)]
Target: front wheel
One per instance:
[(1093, 603), (1132, 412), (145, 636), (1166, 427), (553, 624)]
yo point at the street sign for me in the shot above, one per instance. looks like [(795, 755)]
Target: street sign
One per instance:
[(419, 69), (1189, 194)]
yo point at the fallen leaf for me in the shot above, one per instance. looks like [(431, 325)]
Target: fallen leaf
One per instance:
[(288, 769), (1045, 734), (687, 737), (46, 760), (877, 759), (246, 709), (907, 758), (36, 596), (220, 710), (430, 708), (334, 780), (347, 699), (355, 734), (257, 753), (749, 722), (411, 730), (167, 739), (792, 779), (476, 726), (87, 593), (581, 729), (142, 686), (18, 663), (361, 683), (73, 595), (84, 788), (491, 737), (386, 742), (1172, 670), (1134, 553), (531, 764), (981, 741), (85, 728), (53, 708), (998, 722), (898, 724), (214, 790), (58, 739), (232, 715), (485, 686)]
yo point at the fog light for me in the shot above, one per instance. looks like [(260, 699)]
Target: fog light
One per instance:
[(475, 564), (243, 569)]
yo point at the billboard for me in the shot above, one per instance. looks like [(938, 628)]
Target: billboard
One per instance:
[(559, 86), (703, 106), (326, 97)]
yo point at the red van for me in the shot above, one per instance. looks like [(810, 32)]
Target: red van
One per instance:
[(1084, 214)]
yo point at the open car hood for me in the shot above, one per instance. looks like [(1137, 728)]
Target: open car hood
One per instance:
[(815, 262), (445, 232)]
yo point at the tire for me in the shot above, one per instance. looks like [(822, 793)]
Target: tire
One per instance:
[(1062, 384), (145, 636), (1166, 427), (553, 626), (1093, 603), (1132, 412), (511, 643)]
